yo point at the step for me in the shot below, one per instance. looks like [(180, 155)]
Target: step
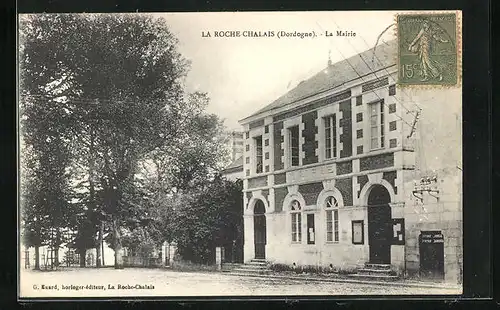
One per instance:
[(256, 264), (378, 266), (374, 277), (247, 274), (250, 271), (229, 267), (375, 271), (250, 268)]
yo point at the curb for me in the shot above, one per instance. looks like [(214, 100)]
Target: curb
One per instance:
[(407, 284)]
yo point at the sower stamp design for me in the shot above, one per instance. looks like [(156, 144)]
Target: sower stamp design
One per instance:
[(427, 49)]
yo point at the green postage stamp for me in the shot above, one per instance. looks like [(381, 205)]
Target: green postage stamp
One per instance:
[(428, 49)]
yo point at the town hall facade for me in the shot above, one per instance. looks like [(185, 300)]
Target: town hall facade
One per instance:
[(348, 169)]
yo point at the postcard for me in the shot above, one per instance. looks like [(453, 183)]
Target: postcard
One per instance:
[(240, 154)]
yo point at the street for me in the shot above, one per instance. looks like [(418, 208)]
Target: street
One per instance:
[(91, 282)]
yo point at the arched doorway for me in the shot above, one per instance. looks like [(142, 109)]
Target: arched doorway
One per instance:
[(259, 227), (379, 225)]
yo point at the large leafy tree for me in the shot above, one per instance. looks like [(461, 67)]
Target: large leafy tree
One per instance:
[(34, 215), (45, 185), (206, 218), (114, 83)]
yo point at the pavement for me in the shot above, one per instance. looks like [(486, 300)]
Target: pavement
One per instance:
[(137, 282), (398, 282)]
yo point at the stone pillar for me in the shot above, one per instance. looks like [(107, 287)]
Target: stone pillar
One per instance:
[(218, 257), (164, 254)]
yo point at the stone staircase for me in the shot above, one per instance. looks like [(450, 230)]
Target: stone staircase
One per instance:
[(254, 267), (380, 272), (228, 267)]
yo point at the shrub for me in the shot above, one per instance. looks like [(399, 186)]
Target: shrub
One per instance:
[(182, 265), (311, 269)]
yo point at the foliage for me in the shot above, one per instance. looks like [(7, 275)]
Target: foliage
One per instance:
[(186, 266), (206, 218), (139, 242), (112, 133), (45, 208), (311, 269)]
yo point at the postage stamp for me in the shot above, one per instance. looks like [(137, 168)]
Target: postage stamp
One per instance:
[(428, 49)]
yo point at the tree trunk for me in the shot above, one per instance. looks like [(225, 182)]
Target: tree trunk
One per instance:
[(37, 257), (92, 196), (118, 247), (99, 246), (82, 257), (57, 245), (102, 246), (55, 262)]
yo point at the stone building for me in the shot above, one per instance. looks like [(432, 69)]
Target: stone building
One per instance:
[(234, 171), (348, 169), (235, 144)]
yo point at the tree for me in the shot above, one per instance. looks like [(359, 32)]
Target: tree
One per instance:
[(206, 218), (34, 218), (115, 83), (45, 186)]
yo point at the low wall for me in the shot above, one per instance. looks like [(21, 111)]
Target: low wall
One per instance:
[(137, 261)]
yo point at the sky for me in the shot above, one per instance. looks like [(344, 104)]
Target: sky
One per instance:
[(243, 74)]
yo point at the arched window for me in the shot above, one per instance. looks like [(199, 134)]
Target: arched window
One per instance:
[(332, 219), (295, 210)]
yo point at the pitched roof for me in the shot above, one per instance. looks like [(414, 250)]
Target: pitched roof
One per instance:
[(237, 164), (339, 73)]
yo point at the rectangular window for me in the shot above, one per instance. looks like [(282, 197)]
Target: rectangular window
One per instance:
[(329, 226), (296, 224), (332, 226), (392, 90), (258, 154), (392, 126), (330, 136), (310, 229), (358, 232), (377, 125), (359, 117), (359, 100), (335, 225), (392, 108), (294, 145), (359, 133), (360, 149)]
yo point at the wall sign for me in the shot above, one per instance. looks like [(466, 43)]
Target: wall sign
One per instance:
[(398, 231), (431, 237), (358, 234)]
